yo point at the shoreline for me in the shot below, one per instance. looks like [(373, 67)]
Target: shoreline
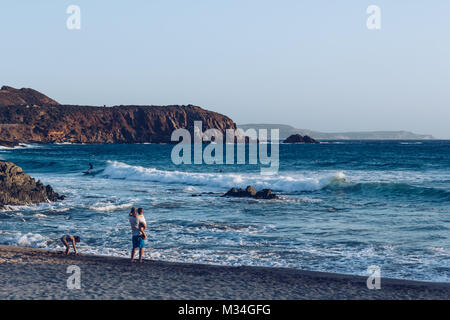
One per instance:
[(27, 273), (18, 145)]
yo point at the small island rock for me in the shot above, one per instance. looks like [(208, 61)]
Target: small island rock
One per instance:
[(297, 138), (250, 192)]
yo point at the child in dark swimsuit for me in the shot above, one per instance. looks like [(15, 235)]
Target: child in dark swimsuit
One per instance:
[(67, 239), (142, 225), (142, 231)]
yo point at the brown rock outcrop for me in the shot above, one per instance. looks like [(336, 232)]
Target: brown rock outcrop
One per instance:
[(18, 188)]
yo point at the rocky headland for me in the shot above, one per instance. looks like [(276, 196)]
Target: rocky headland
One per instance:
[(27, 116)]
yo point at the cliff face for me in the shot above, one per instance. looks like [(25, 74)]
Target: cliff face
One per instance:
[(86, 124), (10, 96), (18, 188)]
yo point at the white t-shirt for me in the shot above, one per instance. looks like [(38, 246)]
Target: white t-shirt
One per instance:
[(134, 223)]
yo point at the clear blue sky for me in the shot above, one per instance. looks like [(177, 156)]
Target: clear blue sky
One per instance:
[(311, 64)]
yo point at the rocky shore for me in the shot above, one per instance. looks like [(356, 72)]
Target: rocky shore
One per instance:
[(18, 188)]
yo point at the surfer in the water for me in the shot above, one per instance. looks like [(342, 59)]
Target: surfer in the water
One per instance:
[(90, 170)]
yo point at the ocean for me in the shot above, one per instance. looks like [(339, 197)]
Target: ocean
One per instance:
[(344, 206)]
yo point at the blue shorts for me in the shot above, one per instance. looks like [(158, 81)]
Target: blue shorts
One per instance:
[(138, 242)]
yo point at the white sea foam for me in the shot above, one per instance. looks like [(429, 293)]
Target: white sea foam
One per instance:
[(40, 215), (20, 146), (69, 144), (108, 206), (283, 182), (35, 207), (61, 209), (30, 146), (29, 239), (10, 148)]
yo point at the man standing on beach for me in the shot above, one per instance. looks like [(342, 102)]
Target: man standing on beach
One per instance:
[(136, 221)]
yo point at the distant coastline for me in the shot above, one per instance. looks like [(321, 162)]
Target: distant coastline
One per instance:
[(286, 131)]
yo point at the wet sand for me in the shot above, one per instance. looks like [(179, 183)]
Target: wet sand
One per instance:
[(40, 274)]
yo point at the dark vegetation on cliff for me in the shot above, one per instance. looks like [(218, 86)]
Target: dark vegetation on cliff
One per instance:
[(54, 123), (18, 188)]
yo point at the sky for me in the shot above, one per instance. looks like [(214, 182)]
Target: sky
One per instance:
[(310, 64)]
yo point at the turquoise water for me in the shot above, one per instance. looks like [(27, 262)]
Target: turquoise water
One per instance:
[(345, 206)]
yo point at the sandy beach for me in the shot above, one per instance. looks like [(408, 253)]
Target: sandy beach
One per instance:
[(40, 274)]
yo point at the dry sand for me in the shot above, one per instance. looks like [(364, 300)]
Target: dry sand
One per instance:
[(40, 274)]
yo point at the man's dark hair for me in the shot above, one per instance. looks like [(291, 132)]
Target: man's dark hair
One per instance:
[(77, 239), (140, 210)]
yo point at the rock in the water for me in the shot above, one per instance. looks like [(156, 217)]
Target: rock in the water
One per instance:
[(18, 188), (250, 192), (297, 138), (266, 194)]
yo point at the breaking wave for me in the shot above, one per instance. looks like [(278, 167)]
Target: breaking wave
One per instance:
[(282, 182), (291, 182), (106, 207), (34, 240)]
